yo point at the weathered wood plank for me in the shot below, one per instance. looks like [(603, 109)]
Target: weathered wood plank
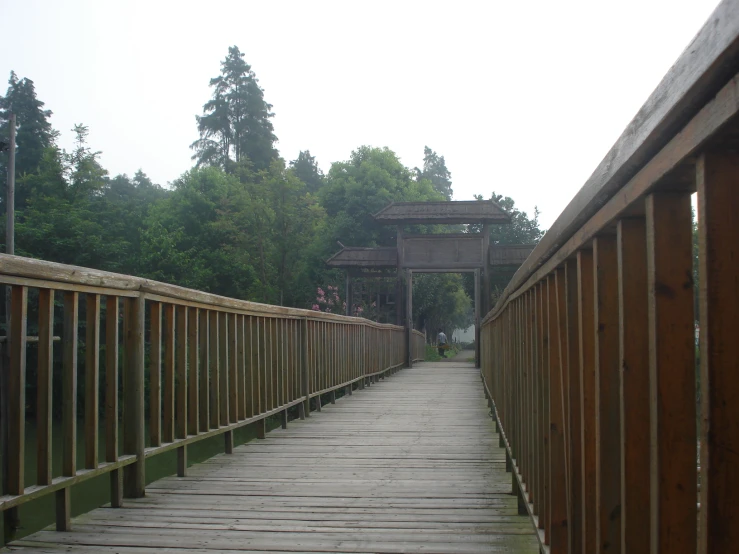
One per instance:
[(671, 373), (634, 364), (426, 476), (717, 174), (607, 397), (45, 383)]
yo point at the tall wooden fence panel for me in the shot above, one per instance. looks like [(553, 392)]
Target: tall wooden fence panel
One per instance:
[(611, 360), (163, 367)]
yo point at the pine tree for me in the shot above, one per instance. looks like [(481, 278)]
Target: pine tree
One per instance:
[(34, 133), (235, 126), (306, 169), (435, 170)]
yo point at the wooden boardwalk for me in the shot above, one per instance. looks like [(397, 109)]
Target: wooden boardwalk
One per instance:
[(410, 464)]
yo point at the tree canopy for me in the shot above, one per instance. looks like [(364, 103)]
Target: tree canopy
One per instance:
[(242, 222)]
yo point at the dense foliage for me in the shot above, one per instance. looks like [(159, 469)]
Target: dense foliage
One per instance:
[(242, 223)]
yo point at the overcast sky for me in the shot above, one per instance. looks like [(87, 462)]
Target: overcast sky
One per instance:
[(521, 97)]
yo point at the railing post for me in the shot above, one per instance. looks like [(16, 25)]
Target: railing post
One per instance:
[(304, 406), (717, 175), (671, 373), (134, 477)]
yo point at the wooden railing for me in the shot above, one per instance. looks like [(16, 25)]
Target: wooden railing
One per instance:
[(589, 357), (419, 346), (190, 365)]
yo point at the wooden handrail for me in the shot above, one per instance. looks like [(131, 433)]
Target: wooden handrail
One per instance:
[(193, 365), (589, 357)]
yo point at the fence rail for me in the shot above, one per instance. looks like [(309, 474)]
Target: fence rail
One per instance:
[(165, 367), (589, 357)]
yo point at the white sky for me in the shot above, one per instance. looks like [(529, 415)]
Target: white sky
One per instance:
[(522, 97)]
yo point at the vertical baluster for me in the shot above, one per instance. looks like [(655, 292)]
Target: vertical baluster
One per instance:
[(263, 368), (92, 373), (249, 365), (586, 298), (112, 314), (234, 383), (155, 376), (223, 367), (559, 538), (574, 450), (254, 393), (215, 373), (169, 373), (17, 389), (536, 484), (304, 366), (193, 379), (69, 407), (181, 390), (274, 363), (671, 373), (634, 405), (241, 365), (45, 381), (134, 475), (545, 517), (717, 173), (204, 356), (607, 444)]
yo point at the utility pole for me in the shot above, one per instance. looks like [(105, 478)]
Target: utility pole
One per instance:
[(9, 520)]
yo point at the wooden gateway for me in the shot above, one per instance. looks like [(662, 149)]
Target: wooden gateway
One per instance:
[(433, 253)]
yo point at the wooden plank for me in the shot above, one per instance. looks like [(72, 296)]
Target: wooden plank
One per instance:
[(168, 382), (546, 513), (251, 400), (17, 390), (69, 384), (155, 374), (671, 373), (215, 386), (241, 366), (586, 297), (719, 374), (559, 479), (193, 378), (92, 379), (224, 369), (181, 374), (607, 398), (234, 384), (112, 314), (45, 384), (634, 364), (574, 450), (204, 369), (445, 490), (134, 476)]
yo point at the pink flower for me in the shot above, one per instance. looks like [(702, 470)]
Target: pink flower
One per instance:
[(316, 307), (321, 292)]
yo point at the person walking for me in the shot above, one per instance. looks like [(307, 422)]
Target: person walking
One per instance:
[(441, 343)]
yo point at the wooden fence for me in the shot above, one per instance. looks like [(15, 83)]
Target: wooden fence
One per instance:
[(188, 364), (589, 357)]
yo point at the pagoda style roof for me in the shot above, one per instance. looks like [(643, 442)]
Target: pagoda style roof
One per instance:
[(451, 212), (355, 256)]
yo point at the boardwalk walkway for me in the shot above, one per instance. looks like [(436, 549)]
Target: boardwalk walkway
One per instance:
[(408, 465)]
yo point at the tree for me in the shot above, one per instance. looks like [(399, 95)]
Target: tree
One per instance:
[(34, 133), (235, 126), (362, 186), (521, 230), (86, 175), (435, 170), (307, 170)]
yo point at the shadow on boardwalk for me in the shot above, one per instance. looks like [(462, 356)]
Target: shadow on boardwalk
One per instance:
[(408, 465)]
